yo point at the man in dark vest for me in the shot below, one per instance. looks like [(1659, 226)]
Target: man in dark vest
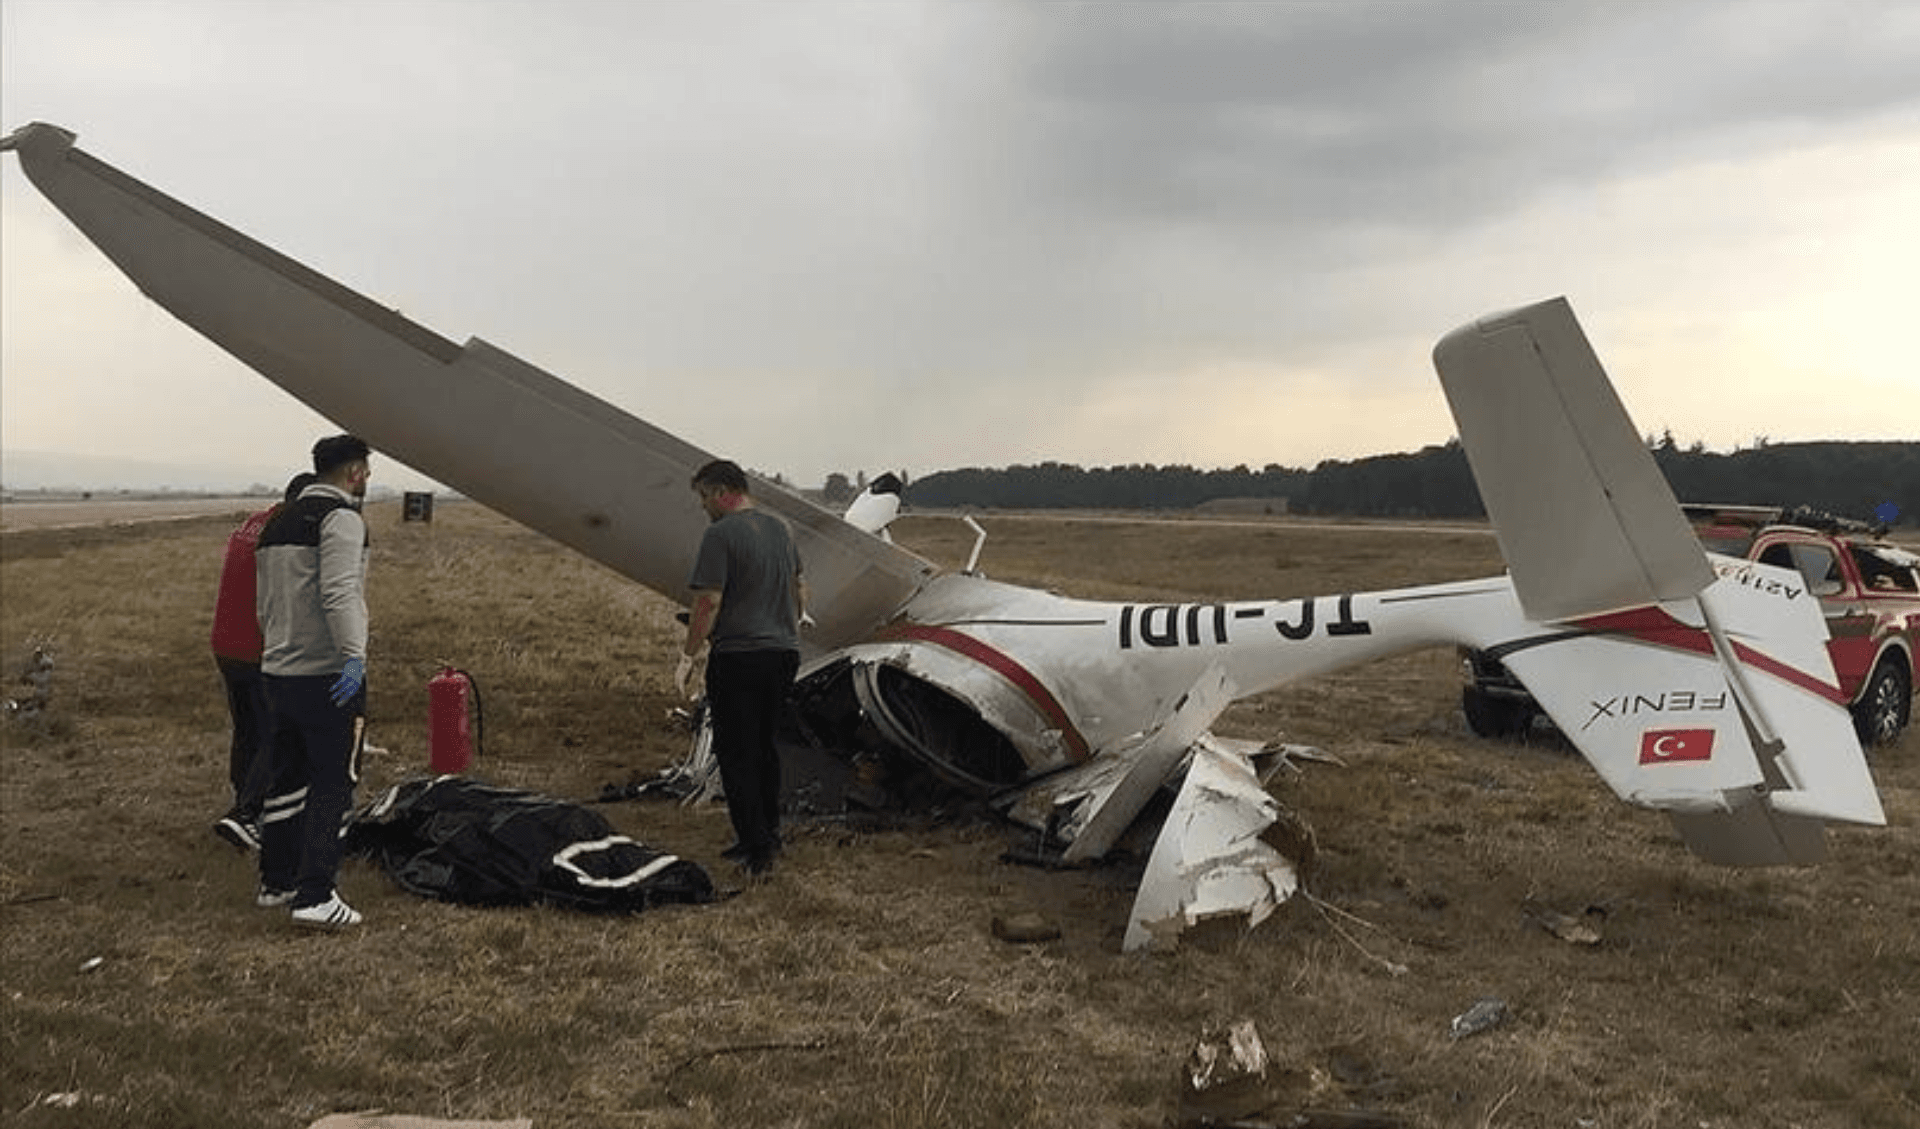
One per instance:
[(312, 566)]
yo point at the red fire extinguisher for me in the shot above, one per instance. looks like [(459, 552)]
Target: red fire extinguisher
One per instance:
[(450, 739)]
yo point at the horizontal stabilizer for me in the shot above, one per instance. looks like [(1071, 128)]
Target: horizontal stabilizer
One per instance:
[(1586, 521), (1748, 747), (1660, 725)]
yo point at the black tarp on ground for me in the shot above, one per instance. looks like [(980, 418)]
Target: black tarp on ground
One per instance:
[(458, 840)]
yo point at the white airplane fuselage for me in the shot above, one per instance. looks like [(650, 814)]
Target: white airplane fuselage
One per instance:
[(1065, 678)]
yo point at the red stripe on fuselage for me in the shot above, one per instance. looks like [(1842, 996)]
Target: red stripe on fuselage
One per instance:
[(1006, 667), (1652, 625)]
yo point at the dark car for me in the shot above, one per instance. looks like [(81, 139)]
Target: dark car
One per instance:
[(1868, 588)]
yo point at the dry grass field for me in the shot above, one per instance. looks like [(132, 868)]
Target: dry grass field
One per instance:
[(862, 986)]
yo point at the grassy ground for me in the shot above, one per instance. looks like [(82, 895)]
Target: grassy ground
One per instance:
[(862, 986)]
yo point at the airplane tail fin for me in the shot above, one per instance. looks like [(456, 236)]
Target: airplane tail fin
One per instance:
[(1585, 519), (1709, 697)]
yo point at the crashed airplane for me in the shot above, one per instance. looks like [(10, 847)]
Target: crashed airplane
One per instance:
[(1070, 715)]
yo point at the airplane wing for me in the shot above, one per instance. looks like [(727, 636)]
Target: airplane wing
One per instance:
[(496, 428)]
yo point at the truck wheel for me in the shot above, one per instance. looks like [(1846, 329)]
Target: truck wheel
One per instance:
[(1495, 718), (1880, 713)]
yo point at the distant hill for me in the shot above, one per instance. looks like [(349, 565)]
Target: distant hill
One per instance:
[(1850, 479)]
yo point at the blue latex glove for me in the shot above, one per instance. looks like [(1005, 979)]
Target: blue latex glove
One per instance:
[(352, 677)]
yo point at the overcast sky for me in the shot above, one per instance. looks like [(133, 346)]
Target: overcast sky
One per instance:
[(920, 236)]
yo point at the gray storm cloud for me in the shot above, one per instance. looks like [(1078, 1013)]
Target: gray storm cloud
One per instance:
[(990, 232)]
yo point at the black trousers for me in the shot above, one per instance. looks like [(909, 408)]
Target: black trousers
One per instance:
[(746, 691), (316, 762), (249, 759)]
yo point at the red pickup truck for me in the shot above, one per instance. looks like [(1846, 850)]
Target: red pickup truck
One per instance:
[(1868, 587)]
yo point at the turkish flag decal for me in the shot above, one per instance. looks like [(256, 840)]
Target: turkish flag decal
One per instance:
[(1667, 746)]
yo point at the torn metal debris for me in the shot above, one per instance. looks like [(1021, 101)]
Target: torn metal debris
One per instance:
[(1226, 1074), (1210, 860), (1486, 1013), (37, 675)]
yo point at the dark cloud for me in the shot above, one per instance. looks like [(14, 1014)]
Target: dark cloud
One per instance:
[(896, 213), (1172, 180), (1292, 116)]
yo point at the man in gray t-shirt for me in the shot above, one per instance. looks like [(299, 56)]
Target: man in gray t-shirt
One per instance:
[(748, 598)]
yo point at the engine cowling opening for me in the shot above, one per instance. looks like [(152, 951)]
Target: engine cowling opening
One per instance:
[(877, 709)]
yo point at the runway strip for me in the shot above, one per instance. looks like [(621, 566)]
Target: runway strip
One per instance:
[(24, 515)]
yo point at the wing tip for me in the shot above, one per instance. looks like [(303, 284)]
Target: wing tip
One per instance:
[(38, 137)]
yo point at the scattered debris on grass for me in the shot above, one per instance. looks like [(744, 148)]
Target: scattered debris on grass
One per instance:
[(1486, 1013), (1231, 1083), (31, 709), (1328, 911), (1226, 1075), (1025, 928), (1581, 930)]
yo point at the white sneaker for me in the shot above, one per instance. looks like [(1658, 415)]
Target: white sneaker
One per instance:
[(272, 899), (331, 915)]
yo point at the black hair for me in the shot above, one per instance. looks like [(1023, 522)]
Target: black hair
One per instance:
[(337, 451), (723, 473), (298, 483)]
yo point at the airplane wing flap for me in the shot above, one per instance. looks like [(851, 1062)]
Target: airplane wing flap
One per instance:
[(856, 581)]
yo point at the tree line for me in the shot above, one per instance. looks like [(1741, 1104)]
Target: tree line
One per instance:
[(1857, 480)]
